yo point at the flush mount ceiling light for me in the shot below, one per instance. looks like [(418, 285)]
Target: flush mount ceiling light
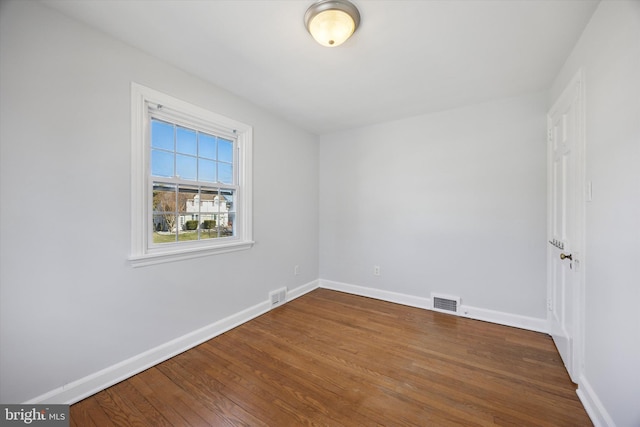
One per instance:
[(331, 22)]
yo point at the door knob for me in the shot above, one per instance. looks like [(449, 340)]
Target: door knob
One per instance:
[(563, 256)]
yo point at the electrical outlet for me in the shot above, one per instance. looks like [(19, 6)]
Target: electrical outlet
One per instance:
[(376, 270), (296, 270)]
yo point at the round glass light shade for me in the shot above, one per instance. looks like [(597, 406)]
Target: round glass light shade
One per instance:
[(332, 27), (331, 22)]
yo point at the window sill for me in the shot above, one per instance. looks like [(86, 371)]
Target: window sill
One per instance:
[(184, 254)]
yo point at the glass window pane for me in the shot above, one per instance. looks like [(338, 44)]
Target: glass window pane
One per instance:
[(161, 135), (164, 198), (208, 213), (160, 233), (225, 150), (225, 173), (164, 213), (186, 167), (207, 200), (206, 170), (228, 196), (208, 227), (207, 146), (189, 213), (229, 229), (162, 163), (227, 213), (186, 141)]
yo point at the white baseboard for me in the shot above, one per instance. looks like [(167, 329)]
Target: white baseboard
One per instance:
[(301, 290), (389, 296), (507, 319), (592, 404), (91, 384)]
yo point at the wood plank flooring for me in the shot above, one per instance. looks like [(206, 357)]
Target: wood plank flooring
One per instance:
[(334, 359)]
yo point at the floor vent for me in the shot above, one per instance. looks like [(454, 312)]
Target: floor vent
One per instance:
[(278, 297), (446, 303)]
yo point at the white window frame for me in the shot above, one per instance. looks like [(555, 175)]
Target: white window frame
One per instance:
[(143, 252)]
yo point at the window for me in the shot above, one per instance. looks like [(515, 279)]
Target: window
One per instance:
[(191, 182)]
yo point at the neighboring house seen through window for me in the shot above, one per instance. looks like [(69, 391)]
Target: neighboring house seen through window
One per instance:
[(191, 183)]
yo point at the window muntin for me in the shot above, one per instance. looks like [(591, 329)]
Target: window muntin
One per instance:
[(191, 180)]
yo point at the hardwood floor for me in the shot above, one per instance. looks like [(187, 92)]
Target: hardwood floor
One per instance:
[(334, 359)]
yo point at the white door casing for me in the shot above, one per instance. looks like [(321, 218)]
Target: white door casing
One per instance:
[(565, 224)]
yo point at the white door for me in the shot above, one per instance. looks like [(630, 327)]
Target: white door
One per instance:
[(565, 219)]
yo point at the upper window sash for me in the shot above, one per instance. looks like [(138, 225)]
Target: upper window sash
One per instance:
[(187, 154)]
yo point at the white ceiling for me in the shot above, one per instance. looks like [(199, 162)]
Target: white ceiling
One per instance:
[(407, 58)]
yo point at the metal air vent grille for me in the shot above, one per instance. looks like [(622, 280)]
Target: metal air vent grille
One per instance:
[(445, 303)]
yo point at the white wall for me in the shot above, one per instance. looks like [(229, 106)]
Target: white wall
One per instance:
[(452, 202), (70, 302), (609, 53)]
